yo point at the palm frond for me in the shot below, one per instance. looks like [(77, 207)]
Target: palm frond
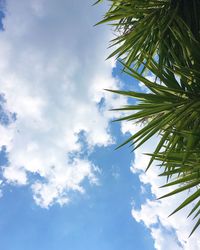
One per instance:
[(163, 37), (172, 110), (156, 27)]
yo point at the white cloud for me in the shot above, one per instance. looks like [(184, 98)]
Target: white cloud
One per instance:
[(60, 181), (168, 232), (53, 72), (167, 242)]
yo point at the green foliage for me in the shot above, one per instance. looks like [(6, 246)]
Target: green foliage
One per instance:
[(144, 28), (163, 37), (173, 112)]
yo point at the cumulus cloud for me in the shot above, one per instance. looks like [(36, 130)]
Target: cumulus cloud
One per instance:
[(52, 74), (168, 232)]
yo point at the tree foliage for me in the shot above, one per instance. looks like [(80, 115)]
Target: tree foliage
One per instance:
[(163, 37)]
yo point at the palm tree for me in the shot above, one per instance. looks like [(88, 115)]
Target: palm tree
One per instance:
[(145, 28), (163, 37)]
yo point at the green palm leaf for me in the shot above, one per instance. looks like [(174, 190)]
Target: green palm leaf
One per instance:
[(163, 37)]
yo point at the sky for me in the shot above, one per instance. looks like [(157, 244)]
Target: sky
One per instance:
[(62, 183)]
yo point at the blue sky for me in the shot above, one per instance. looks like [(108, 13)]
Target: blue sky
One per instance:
[(62, 184), (100, 219)]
